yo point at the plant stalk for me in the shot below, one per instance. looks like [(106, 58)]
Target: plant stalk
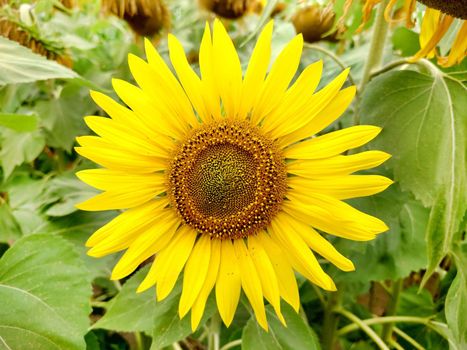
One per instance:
[(378, 39), (392, 308), (364, 327), (214, 332), (330, 321)]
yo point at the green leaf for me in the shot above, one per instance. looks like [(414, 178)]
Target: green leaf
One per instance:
[(406, 41), (424, 128), (9, 228), (18, 148), (130, 311), (45, 290), (62, 116), (456, 299), (19, 64), (395, 253), (18, 122), (296, 336)]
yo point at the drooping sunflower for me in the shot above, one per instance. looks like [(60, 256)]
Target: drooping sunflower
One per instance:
[(438, 18), (219, 177)]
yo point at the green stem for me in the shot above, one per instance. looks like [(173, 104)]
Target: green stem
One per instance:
[(214, 332), (392, 308), (330, 321), (232, 344), (364, 327), (383, 320), (139, 341), (332, 56), (408, 338), (378, 39)]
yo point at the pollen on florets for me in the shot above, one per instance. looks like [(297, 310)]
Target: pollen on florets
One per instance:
[(227, 179)]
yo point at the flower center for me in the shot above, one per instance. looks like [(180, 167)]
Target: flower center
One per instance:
[(227, 180), (455, 8)]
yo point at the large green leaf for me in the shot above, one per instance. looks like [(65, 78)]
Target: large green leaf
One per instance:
[(18, 64), (424, 128), (395, 253), (456, 299), (298, 335), (45, 290), (18, 148), (130, 311), (18, 122)]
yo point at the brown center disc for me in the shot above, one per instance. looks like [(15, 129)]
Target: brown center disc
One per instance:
[(227, 179), (454, 8)]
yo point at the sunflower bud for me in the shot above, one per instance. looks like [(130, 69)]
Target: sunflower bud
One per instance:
[(313, 22), (231, 9), (145, 17)]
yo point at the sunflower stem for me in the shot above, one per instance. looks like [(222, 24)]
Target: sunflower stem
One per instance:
[(330, 321), (391, 310), (214, 332), (375, 54), (364, 327)]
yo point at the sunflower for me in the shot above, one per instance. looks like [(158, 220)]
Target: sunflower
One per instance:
[(438, 18), (219, 177)]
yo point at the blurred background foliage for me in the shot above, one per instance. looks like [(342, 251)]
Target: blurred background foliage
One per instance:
[(410, 284)]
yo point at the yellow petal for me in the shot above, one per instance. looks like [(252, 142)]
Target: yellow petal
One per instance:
[(430, 23), (128, 224), (250, 282), (344, 187), (317, 119), (111, 156), (112, 200), (303, 260), (228, 283), (278, 79), (114, 180), (228, 70), (266, 275), (190, 81), (120, 114), (121, 135), (146, 245), (196, 270), (158, 65), (171, 259), (211, 278), (333, 216), (208, 74), (256, 71), (338, 165), (332, 144), (320, 245), (458, 49), (433, 36), (147, 110), (297, 99), (165, 90), (284, 272)]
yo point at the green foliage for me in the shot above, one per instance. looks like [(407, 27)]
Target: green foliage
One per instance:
[(20, 65), (296, 336), (425, 129), (45, 292), (46, 276)]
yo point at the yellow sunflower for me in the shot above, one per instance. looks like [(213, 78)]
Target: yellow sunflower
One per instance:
[(439, 16), (220, 178)]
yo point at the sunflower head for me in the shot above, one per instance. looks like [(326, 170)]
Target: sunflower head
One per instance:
[(218, 175), (456, 8), (145, 17), (231, 9), (313, 22)]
